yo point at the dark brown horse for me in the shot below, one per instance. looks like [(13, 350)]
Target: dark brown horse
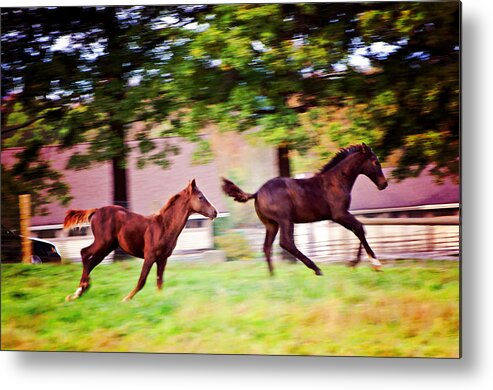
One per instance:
[(282, 202), (152, 238)]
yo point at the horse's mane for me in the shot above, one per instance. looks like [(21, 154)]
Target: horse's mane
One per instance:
[(341, 155), (169, 203)]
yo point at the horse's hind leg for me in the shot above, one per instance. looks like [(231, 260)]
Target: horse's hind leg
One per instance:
[(271, 229), (91, 257), (85, 254), (287, 243)]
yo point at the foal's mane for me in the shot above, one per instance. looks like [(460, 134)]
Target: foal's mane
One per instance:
[(341, 155), (169, 203)]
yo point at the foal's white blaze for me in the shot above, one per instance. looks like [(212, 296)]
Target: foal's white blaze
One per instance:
[(214, 207)]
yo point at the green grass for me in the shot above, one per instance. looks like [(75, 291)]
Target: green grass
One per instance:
[(411, 309)]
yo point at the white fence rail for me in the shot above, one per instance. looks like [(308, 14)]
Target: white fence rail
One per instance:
[(390, 238)]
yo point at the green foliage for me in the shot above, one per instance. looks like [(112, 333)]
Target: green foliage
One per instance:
[(265, 66), (413, 93), (160, 158), (203, 153), (64, 95), (235, 245), (30, 173), (245, 66), (222, 225), (274, 70)]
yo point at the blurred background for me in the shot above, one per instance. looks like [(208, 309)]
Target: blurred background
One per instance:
[(124, 105)]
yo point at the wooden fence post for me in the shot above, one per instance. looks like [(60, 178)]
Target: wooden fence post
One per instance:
[(25, 215)]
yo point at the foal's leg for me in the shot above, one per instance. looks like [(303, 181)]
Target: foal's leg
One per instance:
[(142, 279), (287, 243), (91, 257), (351, 223), (161, 264), (271, 229)]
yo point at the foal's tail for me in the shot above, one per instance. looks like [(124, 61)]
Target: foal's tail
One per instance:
[(232, 190), (77, 217)]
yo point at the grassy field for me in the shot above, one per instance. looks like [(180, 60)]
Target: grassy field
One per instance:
[(411, 309)]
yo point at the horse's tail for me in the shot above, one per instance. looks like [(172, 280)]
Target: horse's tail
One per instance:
[(235, 192), (77, 217)]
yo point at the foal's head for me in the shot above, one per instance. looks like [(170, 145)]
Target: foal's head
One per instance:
[(198, 201), (372, 168)]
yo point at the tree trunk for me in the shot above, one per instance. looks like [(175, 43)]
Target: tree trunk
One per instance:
[(283, 161), (120, 186), (120, 195), (119, 166), (112, 73)]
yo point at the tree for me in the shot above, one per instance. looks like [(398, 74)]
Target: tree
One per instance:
[(413, 93), (30, 174), (263, 65), (86, 74), (283, 72), (272, 66)]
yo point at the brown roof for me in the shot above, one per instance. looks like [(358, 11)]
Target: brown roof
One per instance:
[(149, 188)]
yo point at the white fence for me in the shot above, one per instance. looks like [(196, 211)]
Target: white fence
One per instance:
[(390, 238)]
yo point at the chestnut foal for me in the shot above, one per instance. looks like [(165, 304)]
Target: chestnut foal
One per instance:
[(152, 238)]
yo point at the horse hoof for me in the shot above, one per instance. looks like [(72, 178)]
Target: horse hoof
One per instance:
[(352, 263), (319, 272), (126, 299), (377, 268), (69, 298)]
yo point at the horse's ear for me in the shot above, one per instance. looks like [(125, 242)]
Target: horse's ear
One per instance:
[(191, 185), (365, 148)]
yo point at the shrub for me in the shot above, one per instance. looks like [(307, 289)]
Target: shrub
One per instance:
[(235, 245)]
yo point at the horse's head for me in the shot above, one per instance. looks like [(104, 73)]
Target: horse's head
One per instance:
[(372, 168), (199, 203)]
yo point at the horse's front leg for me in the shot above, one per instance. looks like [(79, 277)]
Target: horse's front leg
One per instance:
[(355, 262), (351, 223), (161, 264), (148, 262)]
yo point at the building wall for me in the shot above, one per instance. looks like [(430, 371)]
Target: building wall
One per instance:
[(148, 188)]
